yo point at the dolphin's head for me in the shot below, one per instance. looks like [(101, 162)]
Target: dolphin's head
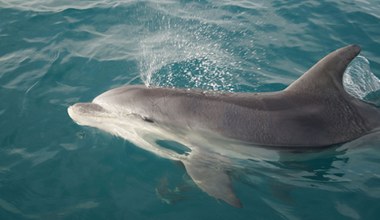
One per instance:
[(89, 113), (110, 109)]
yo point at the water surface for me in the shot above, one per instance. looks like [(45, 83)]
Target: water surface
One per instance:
[(55, 53)]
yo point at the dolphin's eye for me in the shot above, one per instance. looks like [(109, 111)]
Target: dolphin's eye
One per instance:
[(147, 119)]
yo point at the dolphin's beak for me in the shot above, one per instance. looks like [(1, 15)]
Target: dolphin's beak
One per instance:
[(81, 112)]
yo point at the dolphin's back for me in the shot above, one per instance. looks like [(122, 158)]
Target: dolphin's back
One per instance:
[(313, 111)]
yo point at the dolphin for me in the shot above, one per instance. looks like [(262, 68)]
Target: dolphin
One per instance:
[(313, 112)]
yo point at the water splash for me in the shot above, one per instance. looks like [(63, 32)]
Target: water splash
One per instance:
[(178, 58), (360, 82)]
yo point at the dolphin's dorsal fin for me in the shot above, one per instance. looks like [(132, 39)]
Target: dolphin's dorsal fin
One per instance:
[(327, 74)]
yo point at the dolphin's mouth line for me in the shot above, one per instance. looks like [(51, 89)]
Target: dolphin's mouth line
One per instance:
[(81, 113)]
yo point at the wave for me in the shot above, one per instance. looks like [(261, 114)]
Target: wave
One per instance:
[(360, 82)]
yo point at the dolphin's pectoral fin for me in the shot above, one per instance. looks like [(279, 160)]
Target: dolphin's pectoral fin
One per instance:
[(215, 182)]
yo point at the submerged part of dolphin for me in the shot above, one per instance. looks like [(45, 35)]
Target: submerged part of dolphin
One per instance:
[(313, 112)]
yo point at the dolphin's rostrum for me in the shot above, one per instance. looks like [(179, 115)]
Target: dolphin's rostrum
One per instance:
[(313, 112)]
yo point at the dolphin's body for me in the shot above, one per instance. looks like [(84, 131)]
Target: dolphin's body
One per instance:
[(313, 112)]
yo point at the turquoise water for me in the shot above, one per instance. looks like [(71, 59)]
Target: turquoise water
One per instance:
[(56, 53)]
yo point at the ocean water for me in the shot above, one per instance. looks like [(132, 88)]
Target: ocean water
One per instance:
[(54, 53)]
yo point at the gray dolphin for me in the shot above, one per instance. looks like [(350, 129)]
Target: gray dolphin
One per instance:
[(313, 112)]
